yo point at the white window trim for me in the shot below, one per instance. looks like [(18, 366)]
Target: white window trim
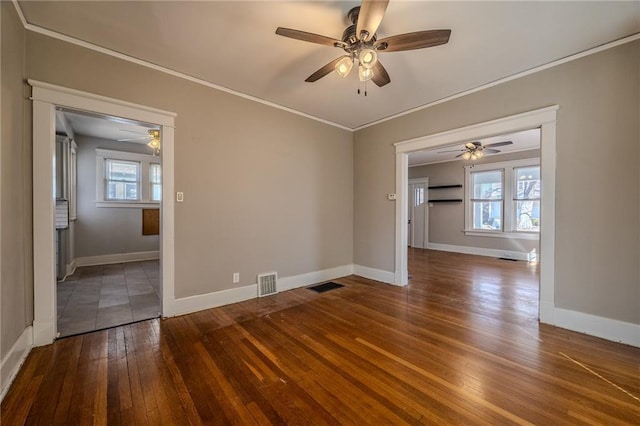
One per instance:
[(145, 161), (507, 168)]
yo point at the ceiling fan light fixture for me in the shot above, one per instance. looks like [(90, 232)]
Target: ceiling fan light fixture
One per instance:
[(343, 67), (466, 155), (479, 154), (367, 57), (365, 74)]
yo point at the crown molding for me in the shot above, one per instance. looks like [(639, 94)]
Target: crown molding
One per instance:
[(530, 71), (113, 53), (91, 46)]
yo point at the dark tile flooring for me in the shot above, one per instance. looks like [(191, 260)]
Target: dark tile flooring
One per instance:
[(103, 296)]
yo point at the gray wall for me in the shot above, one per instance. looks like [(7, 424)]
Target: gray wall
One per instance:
[(597, 177), (16, 276), (446, 220), (99, 230), (264, 189)]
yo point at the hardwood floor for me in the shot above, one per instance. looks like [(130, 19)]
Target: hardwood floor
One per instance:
[(459, 345)]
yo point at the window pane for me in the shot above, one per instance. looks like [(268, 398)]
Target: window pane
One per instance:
[(156, 192), (122, 170), (122, 180), (528, 216), (155, 178), (487, 185), (487, 215), (527, 183), (154, 173), (418, 196)]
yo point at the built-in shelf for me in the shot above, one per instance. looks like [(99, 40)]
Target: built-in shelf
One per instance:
[(446, 200), (445, 186)]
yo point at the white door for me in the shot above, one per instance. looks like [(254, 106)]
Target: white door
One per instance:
[(418, 224)]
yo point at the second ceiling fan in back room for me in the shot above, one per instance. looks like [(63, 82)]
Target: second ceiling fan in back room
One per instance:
[(361, 44)]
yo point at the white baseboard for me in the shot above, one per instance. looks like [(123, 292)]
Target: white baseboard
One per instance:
[(297, 281), (71, 268), (201, 302), (605, 328), (509, 254), (14, 359), (107, 259), (374, 274)]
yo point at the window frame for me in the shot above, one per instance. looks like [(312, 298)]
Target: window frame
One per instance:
[(152, 182), (144, 160), (509, 182)]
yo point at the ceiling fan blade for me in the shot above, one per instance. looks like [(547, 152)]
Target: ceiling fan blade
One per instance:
[(491, 145), (380, 75), (369, 18), (310, 37), (133, 131), (415, 40), (134, 139), (491, 151), (451, 150), (459, 155), (323, 71)]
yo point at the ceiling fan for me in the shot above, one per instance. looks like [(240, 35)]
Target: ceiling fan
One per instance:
[(475, 150), (361, 44), (153, 136)]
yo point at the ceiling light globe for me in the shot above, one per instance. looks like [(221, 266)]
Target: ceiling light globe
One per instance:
[(367, 58), (344, 65), (365, 74), (479, 154), (466, 155)]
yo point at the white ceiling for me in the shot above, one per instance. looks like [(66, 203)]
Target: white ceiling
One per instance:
[(105, 127), (233, 44), (522, 141)]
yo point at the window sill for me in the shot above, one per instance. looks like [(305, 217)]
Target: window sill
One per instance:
[(508, 235), (129, 204)]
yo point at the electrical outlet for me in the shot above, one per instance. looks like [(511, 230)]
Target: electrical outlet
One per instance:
[(179, 197), (236, 277)]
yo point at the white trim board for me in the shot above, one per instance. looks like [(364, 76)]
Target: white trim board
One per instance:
[(605, 328), (187, 305), (480, 251), (545, 119), (14, 359), (46, 97), (374, 274), (90, 46), (107, 259)]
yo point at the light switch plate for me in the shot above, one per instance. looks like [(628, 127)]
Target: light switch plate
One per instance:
[(179, 197)]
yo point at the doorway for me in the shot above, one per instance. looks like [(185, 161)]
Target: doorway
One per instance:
[(108, 249), (418, 220), (46, 98), (545, 119)]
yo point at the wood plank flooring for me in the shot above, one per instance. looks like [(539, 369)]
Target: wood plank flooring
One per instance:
[(459, 345)]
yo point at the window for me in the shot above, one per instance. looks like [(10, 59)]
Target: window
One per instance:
[(155, 178), (503, 199), (527, 198), (122, 180), (127, 179), (487, 200)]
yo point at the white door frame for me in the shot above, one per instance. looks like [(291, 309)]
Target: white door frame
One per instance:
[(545, 119), (46, 97), (424, 180)]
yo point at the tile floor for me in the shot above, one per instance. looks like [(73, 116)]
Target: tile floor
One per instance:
[(97, 297)]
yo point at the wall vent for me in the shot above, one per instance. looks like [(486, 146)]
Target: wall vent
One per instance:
[(267, 284)]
